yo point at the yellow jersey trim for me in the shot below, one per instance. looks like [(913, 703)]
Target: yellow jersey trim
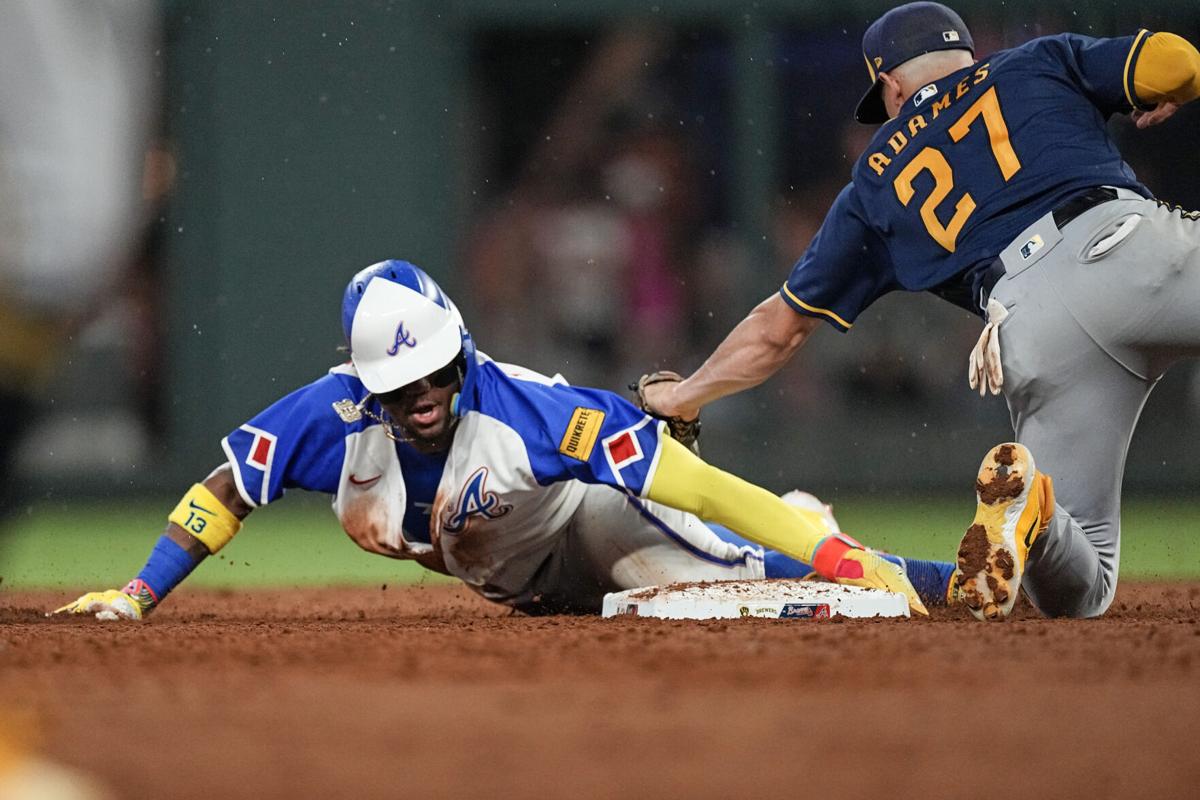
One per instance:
[(825, 312), (1129, 63)]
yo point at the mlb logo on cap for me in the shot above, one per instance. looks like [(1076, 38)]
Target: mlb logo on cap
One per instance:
[(901, 35)]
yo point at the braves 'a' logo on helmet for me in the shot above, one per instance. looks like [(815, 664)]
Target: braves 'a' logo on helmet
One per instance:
[(474, 500), (403, 337)]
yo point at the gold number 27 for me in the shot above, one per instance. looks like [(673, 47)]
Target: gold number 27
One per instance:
[(931, 160)]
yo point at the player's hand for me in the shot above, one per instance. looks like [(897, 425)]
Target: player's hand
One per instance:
[(850, 564), (654, 394), (108, 605), (1156, 116)]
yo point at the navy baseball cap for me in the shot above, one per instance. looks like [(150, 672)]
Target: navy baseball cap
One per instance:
[(901, 35)]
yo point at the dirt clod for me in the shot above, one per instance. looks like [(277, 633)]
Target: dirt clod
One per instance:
[(973, 551), (999, 591), (1005, 563), (1005, 455), (1001, 487)]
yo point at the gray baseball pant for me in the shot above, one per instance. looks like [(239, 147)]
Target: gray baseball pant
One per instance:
[(1097, 313)]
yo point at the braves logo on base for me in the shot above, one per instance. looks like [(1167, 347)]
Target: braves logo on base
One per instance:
[(804, 611), (474, 500)]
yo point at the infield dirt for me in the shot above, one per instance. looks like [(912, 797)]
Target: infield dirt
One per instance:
[(429, 692)]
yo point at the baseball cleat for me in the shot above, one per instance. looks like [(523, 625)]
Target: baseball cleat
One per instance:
[(1015, 504), (954, 590)]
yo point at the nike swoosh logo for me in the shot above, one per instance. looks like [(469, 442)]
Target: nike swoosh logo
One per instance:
[(1029, 533), (364, 483), (193, 504)]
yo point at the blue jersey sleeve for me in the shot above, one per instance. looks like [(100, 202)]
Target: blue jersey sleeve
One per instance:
[(573, 432), (845, 268), (297, 442), (1101, 68)]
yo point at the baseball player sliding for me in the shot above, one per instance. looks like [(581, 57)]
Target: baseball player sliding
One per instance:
[(995, 185), (536, 494)]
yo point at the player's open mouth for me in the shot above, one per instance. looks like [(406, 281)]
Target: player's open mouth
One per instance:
[(424, 414)]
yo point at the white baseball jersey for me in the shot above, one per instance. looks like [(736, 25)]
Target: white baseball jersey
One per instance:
[(539, 502)]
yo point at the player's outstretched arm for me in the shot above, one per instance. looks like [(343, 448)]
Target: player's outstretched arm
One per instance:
[(1167, 75), (752, 352), (202, 523), (684, 481)]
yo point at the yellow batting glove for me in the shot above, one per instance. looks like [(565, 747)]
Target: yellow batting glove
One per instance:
[(108, 605), (842, 560)]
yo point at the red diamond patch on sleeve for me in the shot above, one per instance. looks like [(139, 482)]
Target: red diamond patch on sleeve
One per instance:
[(261, 451), (622, 448)]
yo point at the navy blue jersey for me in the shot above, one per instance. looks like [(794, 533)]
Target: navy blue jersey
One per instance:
[(968, 163)]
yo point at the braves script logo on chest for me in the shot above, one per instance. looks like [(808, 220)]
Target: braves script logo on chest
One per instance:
[(403, 337), (474, 501)]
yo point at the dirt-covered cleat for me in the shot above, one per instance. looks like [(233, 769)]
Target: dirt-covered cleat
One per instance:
[(1015, 505), (954, 590)]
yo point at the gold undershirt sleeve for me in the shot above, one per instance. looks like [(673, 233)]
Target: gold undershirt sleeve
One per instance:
[(1167, 70)]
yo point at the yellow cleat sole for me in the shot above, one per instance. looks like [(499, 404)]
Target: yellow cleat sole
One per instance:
[(1008, 518)]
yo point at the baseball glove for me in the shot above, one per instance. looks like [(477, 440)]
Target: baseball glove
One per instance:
[(684, 431)]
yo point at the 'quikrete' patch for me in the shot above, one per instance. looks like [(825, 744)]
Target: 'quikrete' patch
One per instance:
[(581, 433)]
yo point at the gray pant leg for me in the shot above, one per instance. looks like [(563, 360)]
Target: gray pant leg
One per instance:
[(614, 544), (1075, 408), (1082, 348)]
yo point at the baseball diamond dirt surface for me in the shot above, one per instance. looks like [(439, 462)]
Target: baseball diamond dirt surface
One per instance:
[(430, 692)]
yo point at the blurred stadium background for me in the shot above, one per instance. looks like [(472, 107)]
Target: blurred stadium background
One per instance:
[(605, 187)]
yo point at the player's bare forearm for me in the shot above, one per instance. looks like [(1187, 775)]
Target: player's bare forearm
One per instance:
[(752, 352), (223, 486), (190, 544)]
